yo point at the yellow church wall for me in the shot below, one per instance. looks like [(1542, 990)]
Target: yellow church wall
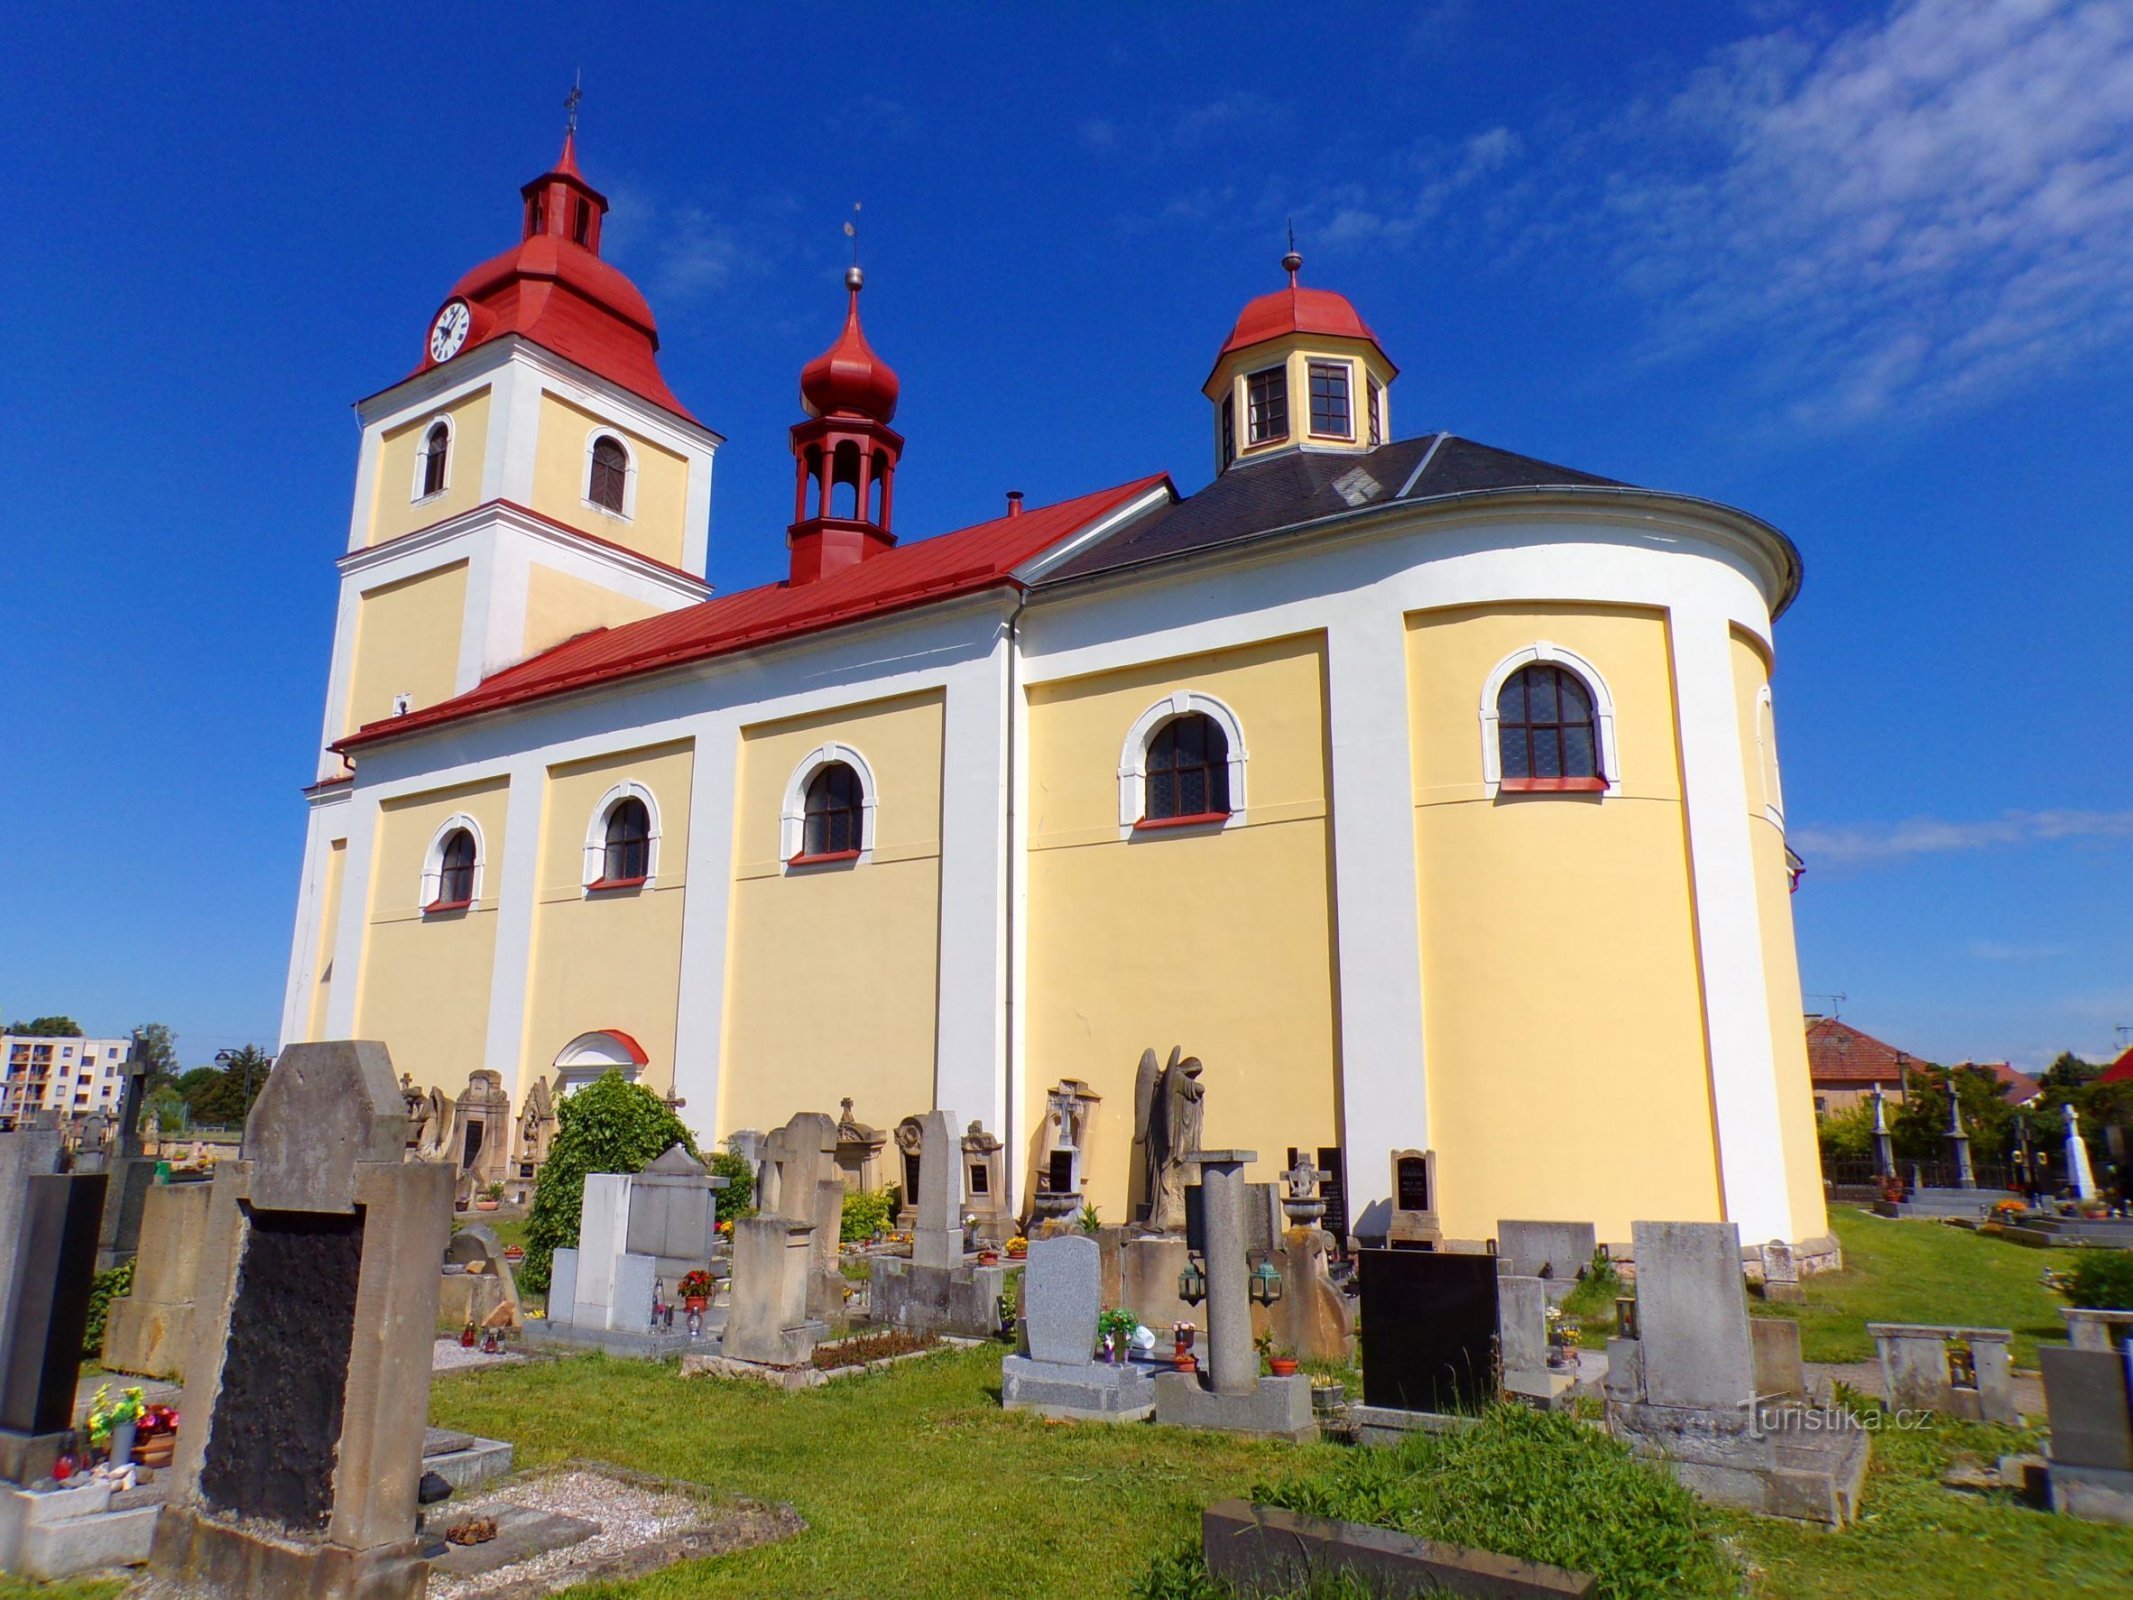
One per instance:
[(559, 606), (833, 972), (1567, 1068), (1781, 962), (1221, 942), (612, 959), (328, 928), (407, 642), (562, 463), (392, 510), (425, 988)]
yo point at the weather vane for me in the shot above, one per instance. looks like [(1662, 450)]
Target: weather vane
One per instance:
[(571, 100), (851, 232)]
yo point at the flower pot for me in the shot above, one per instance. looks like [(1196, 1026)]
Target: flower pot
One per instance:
[(157, 1450), (988, 1258), (122, 1443), (487, 1205), (1283, 1366), (694, 1304), (1328, 1397), (1186, 1361)]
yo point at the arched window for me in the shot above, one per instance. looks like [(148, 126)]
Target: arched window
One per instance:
[(1188, 769), (436, 457), (628, 856), (608, 486), (836, 813), (455, 876), (1547, 731)]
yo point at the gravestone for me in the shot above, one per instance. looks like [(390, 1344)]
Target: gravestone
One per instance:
[(1692, 1315), (858, 1151), (482, 1129), (485, 1293), (601, 1292), (24, 1153), (673, 1214), (1779, 1372), (1062, 1297), (1556, 1252), (937, 1240), (1522, 1338), (2087, 1398), (1414, 1200), (910, 1166), (985, 1186), (826, 1285), (1957, 1372), (934, 1292), (132, 1173), (1429, 1330), (1781, 1273), (54, 1247), (149, 1330), (768, 1322), (308, 1384)]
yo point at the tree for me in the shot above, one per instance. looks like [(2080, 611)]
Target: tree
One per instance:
[(166, 1103), (1847, 1135), (158, 1048), (2067, 1073), (48, 1028), (610, 1125), (222, 1096)]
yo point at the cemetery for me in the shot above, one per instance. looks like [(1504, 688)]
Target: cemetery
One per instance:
[(333, 1375)]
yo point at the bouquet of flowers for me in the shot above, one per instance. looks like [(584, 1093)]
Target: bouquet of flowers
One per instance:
[(696, 1285), (107, 1416)]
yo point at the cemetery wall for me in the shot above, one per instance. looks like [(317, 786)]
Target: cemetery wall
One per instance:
[(393, 510), (419, 971), (1221, 944), (1781, 959), (1562, 1003), (606, 960), (407, 642), (872, 934)]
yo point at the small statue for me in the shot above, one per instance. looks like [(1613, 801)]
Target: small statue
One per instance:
[(1167, 1110)]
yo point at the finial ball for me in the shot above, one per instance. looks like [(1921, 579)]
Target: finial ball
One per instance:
[(1292, 263)]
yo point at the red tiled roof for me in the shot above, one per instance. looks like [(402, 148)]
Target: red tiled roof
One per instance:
[(966, 561), (2020, 1087), (1295, 309), (1838, 1053), (2119, 1071)]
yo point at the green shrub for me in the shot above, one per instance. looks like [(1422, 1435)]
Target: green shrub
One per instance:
[(2100, 1280), (866, 1212), (107, 1287), (610, 1125), (737, 1199), (1523, 1483)]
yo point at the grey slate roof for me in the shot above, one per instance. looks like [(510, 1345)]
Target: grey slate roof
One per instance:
[(1256, 497)]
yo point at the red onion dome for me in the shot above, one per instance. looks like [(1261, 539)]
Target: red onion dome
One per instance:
[(849, 379)]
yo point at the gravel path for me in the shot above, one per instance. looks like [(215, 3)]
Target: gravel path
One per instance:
[(451, 1356)]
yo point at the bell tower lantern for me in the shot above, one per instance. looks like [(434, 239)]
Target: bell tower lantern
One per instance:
[(844, 455)]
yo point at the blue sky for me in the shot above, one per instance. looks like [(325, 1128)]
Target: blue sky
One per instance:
[(1864, 270)]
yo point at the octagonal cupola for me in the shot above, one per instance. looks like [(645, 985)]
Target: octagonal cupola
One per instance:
[(1301, 370), (844, 454)]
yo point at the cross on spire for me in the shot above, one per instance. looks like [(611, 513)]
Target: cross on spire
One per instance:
[(572, 100)]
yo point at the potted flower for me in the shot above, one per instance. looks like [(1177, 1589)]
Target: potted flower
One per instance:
[(113, 1423), (1280, 1359), (696, 1290), (988, 1257), (1017, 1248), (1181, 1337), (1115, 1330), (514, 1253), (156, 1441), (491, 1197)]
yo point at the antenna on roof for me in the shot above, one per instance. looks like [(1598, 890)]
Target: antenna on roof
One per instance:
[(571, 100), (1836, 1001)]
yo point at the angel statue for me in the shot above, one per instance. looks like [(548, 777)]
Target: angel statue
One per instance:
[(1166, 1125)]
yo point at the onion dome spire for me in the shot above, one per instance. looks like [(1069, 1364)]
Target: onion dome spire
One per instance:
[(849, 379)]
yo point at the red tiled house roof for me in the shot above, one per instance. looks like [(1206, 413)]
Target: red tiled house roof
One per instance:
[(1839, 1054)]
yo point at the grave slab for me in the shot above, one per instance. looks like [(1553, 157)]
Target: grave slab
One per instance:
[(1085, 1391)]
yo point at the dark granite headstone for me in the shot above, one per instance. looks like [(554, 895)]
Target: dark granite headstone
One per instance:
[(1414, 1184), (1428, 1330), (55, 1267), (2085, 1396)]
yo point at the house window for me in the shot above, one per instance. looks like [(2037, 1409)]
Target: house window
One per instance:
[(1546, 732), (1377, 412), (1329, 400), (610, 474), (436, 456), (628, 857), (455, 877), (1229, 429), (1268, 393), (1188, 769), (836, 810)]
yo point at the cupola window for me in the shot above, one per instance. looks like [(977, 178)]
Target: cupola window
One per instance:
[(1546, 731), (1229, 429), (609, 484), (1377, 412), (836, 809), (1188, 770), (1329, 400), (1268, 393), (581, 223), (436, 457)]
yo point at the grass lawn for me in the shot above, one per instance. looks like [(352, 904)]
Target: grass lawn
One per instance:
[(1922, 1272)]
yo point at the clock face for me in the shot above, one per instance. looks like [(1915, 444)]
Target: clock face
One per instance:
[(449, 331)]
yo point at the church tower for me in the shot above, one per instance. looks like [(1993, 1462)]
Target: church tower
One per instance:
[(1301, 370), (531, 478), (845, 454)]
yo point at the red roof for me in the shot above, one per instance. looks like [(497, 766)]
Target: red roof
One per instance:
[(848, 378), (964, 562), (1838, 1053), (558, 293), (2020, 1087), (1295, 309), (2119, 1071)]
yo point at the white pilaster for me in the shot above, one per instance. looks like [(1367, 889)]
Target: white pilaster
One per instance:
[(1744, 1096), (319, 826), (700, 1013), (970, 1048), (517, 880), (339, 674), (1384, 1086), (354, 917)]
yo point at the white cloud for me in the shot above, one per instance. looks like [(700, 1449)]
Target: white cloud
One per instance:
[(1916, 211), (1878, 843)]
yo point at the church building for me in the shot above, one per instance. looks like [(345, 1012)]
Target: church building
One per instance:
[(1425, 791)]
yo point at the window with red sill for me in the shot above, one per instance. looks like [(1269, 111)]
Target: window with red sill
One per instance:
[(1547, 736), (455, 872), (1187, 771), (628, 858), (836, 812)]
